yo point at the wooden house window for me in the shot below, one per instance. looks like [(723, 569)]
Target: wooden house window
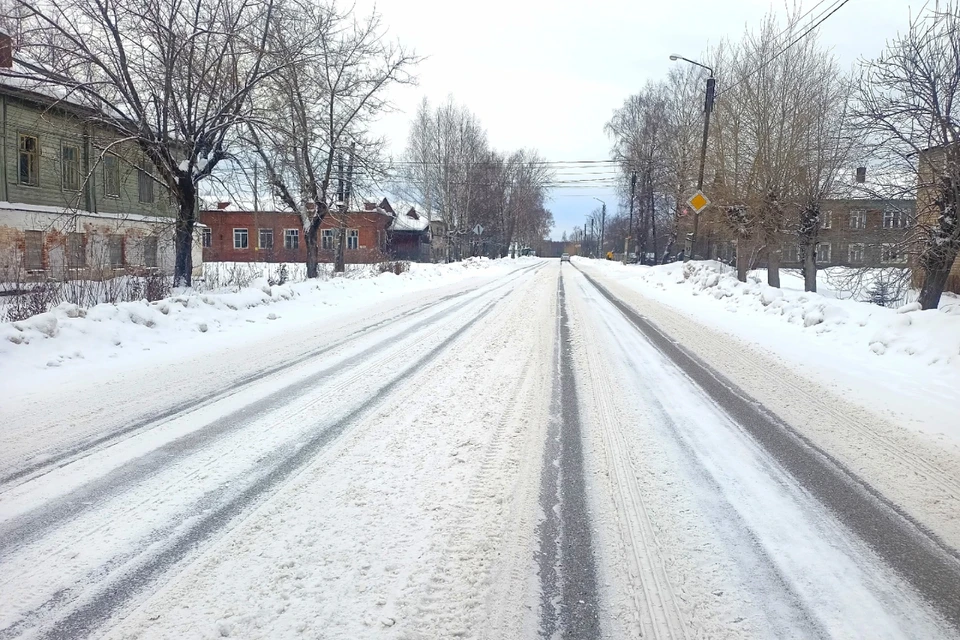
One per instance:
[(291, 239), (70, 167), (353, 239), (115, 250), (29, 160), (858, 219), (150, 251), (76, 251), (111, 176), (33, 250), (145, 186), (207, 235)]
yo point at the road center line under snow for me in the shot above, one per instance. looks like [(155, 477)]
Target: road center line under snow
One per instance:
[(569, 604)]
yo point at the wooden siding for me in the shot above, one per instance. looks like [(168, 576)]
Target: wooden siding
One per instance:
[(55, 128)]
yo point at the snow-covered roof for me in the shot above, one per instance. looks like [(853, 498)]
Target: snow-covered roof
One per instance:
[(409, 221)]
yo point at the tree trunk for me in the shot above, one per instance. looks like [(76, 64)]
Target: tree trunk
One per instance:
[(810, 268), (183, 235), (313, 254), (743, 259), (773, 261), (339, 265), (934, 281)]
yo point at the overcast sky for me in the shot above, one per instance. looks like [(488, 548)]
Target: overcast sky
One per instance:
[(547, 74)]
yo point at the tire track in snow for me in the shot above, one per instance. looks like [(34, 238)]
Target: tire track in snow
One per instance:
[(569, 602), (657, 614), (62, 458), (928, 567), (121, 579)]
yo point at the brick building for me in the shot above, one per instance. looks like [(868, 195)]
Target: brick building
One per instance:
[(374, 233), (854, 232)]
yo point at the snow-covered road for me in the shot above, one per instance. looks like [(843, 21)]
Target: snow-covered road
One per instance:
[(513, 457)]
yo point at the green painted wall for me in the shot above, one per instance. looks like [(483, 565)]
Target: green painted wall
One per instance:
[(55, 128)]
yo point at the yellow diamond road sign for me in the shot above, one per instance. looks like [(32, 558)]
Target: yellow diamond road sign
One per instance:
[(698, 202)]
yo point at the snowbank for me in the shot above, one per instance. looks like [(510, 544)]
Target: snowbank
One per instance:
[(931, 336), (70, 332)]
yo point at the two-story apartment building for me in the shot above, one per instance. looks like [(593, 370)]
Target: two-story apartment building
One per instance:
[(854, 232), (75, 201)]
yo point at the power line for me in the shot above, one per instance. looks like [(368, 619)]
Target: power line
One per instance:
[(835, 7)]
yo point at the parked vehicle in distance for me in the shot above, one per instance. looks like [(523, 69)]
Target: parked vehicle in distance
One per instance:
[(564, 257)]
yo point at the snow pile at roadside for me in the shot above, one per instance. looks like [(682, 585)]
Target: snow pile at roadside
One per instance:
[(70, 332), (933, 336)]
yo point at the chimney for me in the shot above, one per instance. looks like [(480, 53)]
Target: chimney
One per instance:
[(6, 51), (222, 205)]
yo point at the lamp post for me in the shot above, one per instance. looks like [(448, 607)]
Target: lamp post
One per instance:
[(603, 218), (707, 109)]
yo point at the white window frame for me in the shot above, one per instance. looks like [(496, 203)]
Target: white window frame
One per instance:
[(206, 237), (238, 233), (327, 239), (353, 239), (891, 247), (826, 219), (894, 219), (293, 234), (824, 252), (860, 215), (261, 232), (856, 258)]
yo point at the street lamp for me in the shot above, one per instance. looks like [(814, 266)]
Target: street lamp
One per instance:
[(707, 109), (603, 218)]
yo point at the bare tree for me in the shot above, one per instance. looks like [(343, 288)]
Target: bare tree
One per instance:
[(172, 76), (330, 85), (908, 107), (769, 133)]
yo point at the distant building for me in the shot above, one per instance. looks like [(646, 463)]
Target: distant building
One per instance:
[(854, 232), (373, 234)]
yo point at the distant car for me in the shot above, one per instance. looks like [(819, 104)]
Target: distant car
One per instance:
[(564, 257)]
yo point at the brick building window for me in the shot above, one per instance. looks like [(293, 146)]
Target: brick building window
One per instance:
[(353, 238), (29, 160), (70, 167), (894, 219), (33, 250), (111, 176), (115, 250), (266, 238), (824, 251), (145, 186), (206, 235), (855, 253), (291, 238), (326, 239), (892, 254), (826, 219), (241, 239), (791, 252), (76, 250), (150, 251), (858, 219)]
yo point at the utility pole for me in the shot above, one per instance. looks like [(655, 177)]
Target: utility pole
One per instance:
[(626, 241), (707, 110)]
